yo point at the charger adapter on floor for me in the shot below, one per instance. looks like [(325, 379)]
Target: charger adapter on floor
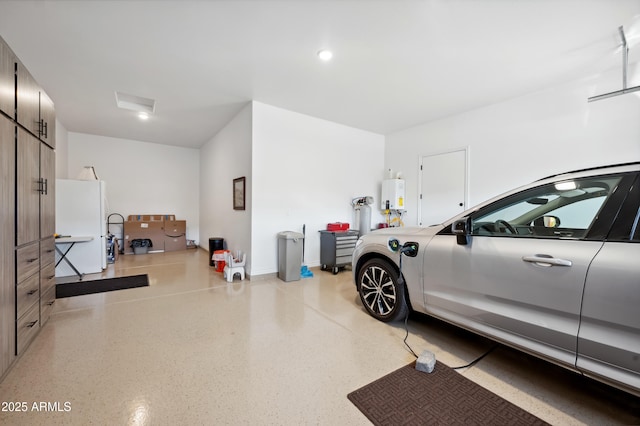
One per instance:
[(426, 362)]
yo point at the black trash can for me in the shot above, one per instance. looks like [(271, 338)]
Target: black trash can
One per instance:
[(215, 243)]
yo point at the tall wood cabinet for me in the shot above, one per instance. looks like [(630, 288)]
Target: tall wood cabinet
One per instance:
[(28, 187), (47, 229), (34, 109), (7, 229), (47, 122), (27, 197), (7, 80)]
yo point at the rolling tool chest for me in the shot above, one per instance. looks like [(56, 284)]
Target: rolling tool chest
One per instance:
[(336, 249)]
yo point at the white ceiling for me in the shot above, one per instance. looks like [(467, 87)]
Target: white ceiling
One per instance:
[(396, 63)]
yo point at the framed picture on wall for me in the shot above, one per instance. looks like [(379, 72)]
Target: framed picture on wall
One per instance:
[(238, 193)]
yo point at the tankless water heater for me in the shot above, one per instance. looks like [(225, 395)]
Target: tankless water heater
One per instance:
[(392, 194)]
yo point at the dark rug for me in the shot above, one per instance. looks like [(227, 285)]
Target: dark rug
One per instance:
[(444, 397), (99, 286)]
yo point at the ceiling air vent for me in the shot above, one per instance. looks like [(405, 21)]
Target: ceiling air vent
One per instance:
[(135, 103)]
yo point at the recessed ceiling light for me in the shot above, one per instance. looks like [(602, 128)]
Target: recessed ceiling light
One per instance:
[(143, 115), (325, 55)]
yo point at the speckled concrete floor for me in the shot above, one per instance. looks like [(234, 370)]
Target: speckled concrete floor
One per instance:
[(193, 349)]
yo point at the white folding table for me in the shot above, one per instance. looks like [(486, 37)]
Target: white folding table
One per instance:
[(63, 255)]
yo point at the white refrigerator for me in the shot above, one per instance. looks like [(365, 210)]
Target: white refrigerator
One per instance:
[(81, 212)]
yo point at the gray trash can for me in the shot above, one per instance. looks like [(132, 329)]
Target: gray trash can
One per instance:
[(289, 255)]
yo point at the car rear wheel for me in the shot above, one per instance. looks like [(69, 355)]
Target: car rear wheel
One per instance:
[(380, 291)]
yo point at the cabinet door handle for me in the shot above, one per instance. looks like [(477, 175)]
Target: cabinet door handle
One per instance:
[(32, 323), (52, 302), (32, 260), (43, 186), (32, 292), (43, 128)]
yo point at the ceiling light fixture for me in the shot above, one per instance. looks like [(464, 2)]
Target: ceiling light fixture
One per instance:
[(325, 55), (143, 115)]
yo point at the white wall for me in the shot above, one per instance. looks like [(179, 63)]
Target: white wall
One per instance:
[(526, 138), (62, 151), (306, 171), (225, 157), (141, 177)]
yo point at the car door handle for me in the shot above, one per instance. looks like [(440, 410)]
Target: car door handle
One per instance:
[(546, 260)]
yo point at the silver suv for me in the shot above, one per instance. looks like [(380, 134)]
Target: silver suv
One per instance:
[(552, 268)]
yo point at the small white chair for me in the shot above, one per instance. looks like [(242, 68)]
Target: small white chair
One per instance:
[(233, 266)]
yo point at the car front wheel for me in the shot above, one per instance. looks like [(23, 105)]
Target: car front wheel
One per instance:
[(381, 293)]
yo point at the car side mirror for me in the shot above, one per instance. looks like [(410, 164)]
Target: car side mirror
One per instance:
[(461, 228)]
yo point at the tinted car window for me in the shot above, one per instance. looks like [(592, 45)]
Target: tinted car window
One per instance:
[(560, 210), (627, 222)]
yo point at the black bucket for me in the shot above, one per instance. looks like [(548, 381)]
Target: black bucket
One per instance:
[(215, 243)]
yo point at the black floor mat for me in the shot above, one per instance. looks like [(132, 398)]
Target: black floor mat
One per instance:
[(99, 286)]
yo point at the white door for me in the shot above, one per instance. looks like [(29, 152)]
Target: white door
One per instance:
[(443, 192)]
